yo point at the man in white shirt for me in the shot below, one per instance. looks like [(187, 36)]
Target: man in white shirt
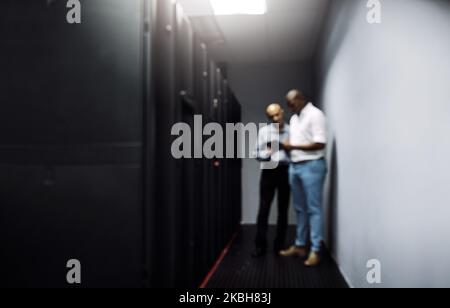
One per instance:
[(306, 174), (273, 179)]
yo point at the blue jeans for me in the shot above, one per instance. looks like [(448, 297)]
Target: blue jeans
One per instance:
[(307, 181)]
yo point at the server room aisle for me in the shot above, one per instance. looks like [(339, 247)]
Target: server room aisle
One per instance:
[(239, 270)]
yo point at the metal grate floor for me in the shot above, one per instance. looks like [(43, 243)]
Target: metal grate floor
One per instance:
[(240, 270)]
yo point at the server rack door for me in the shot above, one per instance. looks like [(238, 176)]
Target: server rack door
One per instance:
[(204, 262), (234, 176), (214, 176), (237, 168), (227, 212), (150, 147), (168, 169), (219, 108), (71, 143), (187, 242), (206, 163), (185, 43), (191, 191)]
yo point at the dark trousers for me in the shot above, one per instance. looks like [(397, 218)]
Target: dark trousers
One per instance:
[(272, 181)]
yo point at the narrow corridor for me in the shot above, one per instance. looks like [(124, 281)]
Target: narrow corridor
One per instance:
[(137, 136)]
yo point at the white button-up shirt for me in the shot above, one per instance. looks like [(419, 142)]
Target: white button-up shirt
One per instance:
[(308, 128)]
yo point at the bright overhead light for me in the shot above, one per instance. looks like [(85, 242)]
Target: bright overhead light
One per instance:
[(239, 7)]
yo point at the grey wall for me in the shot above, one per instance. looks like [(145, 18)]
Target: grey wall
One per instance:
[(256, 86), (385, 89)]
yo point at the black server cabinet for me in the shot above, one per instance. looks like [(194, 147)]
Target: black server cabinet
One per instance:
[(226, 175), (149, 138), (86, 169), (71, 143), (221, 119), (235, 169), (205, 258), (168, 184), (192, 190), (215, 165)]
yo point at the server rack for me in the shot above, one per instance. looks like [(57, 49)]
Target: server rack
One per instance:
[(201, 95), (227, 228), (191, 189), (235, 178), (215, 171), (71, 157), (166, 221), (220, 170), (85, 140)]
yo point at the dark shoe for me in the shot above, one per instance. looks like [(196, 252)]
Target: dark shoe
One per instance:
[(258, 253)]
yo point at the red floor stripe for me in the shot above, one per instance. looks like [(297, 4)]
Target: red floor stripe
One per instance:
[(218, 262)]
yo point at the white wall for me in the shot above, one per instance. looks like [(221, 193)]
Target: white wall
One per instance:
[(257, 86), (386, 91)]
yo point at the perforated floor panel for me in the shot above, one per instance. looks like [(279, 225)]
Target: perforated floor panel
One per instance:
[(240, 270)]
